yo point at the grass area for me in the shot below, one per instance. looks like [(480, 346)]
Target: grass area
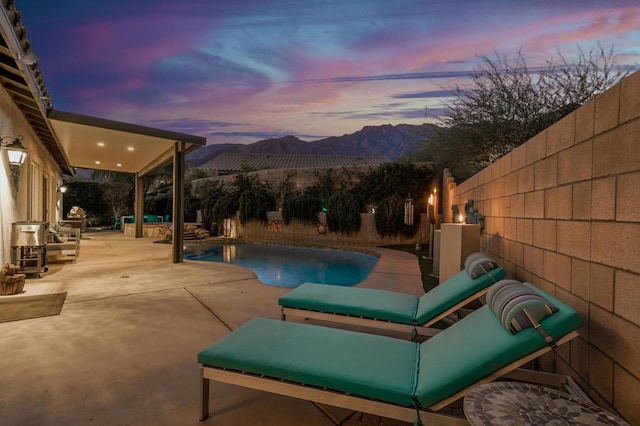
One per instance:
[(426, 265)]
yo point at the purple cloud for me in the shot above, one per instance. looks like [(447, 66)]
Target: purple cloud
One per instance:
[(249, 68)]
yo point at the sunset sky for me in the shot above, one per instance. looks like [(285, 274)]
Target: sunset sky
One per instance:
[(240, 71)]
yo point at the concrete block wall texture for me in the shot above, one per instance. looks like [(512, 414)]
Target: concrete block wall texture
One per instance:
[(562, 212)]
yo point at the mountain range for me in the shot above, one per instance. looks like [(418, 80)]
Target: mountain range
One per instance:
[(390, 141)]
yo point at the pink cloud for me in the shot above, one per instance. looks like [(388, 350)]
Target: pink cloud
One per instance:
[(162, 60), (602, 25)]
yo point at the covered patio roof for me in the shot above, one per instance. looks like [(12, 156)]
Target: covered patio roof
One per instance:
[(100, 144), (97, 143)]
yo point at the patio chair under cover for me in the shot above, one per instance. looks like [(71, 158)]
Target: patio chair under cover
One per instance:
[(391, 310), (385, 376)]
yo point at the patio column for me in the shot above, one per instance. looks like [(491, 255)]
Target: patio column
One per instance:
[(178, 201), (138, 207)]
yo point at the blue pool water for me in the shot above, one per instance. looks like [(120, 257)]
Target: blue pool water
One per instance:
[(287, 266)]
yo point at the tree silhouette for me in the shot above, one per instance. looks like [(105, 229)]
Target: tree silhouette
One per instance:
[(506, 103)]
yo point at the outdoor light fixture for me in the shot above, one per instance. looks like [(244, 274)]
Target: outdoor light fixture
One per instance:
[(16, 152), (62, 189)]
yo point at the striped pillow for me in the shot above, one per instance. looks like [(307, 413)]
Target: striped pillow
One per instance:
[(478, 264), (517, 306)]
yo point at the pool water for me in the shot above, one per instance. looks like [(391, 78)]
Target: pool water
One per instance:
[(287, 266)]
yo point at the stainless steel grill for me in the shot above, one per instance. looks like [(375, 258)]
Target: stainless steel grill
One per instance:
[(28, 234), (28, 247)]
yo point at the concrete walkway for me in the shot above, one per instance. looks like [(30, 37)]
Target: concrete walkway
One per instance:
[(123, 350)]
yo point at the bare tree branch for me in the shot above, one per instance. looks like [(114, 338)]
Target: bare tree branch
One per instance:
[(506, 103)]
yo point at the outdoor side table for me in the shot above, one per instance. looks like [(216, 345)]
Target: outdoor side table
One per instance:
[(515, 403)]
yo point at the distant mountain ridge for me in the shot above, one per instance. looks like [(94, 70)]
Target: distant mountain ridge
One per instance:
[(393, 142)]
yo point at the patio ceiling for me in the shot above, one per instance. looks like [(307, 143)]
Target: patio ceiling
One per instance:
[(99, 144)]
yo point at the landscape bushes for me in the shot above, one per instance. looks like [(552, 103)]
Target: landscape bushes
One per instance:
[(390, 218), (90, 196), (302, 206), (343, 213), (254, 205), (341, 193)]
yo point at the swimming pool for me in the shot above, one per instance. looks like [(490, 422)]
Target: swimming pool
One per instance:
[(288, 266)]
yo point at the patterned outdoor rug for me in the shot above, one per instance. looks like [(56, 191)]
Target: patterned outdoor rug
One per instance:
[(40, 305)]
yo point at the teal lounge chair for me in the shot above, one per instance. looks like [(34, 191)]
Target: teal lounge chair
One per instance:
[(150, 218), (387, 310), (116, 223), (391, 377)]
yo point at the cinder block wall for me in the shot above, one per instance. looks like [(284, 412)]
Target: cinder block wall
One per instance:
[(563, 212)]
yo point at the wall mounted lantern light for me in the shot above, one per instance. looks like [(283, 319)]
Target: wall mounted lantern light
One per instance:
[(17, 153)]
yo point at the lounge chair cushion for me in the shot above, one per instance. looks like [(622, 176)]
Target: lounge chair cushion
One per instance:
[(368, 365), (472, 257), (516, 306), (477, 264), (380, 367), (478, 346), (365, 302), (452, 291)]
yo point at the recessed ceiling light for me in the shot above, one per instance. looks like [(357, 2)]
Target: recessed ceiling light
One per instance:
[(119, 164), (100, 144), (130, 148), (97, 162)]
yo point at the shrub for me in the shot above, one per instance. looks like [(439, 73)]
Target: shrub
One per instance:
[(89, 196), (343, 213), (209, 193), (254, 205), (389, 218), (302, 206), (224, 208)]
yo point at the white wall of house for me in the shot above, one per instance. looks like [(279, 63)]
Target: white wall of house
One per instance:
[(37, 198)]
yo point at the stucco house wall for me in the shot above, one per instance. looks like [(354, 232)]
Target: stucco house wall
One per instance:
[(40, 176), (562, 213)]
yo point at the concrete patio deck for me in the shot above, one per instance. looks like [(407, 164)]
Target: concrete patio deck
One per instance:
[(123, 350)]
